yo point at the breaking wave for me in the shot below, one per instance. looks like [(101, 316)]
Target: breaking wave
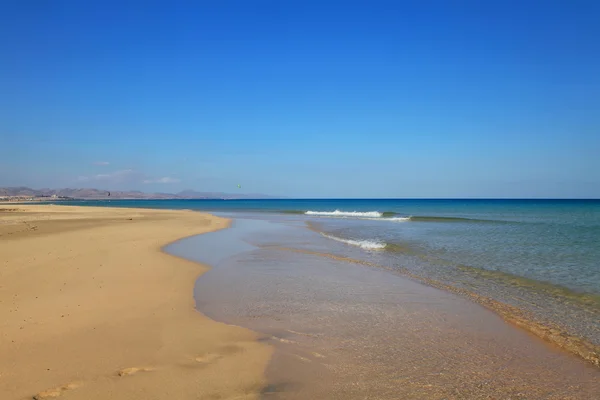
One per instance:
[(364, 244), (389, 216), (370, 215), (338, 213)]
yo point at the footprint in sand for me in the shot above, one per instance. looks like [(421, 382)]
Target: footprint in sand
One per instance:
[(134, 370), (50, 393), (230, 349), (208, 358)]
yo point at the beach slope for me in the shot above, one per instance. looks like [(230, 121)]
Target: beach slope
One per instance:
[(91, 308)]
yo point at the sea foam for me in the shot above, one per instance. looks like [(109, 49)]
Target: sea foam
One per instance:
[(364, 244), (372, 215), (338, 213)]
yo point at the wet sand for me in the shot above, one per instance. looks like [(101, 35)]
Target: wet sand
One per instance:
[(91, 308), (346, 330)]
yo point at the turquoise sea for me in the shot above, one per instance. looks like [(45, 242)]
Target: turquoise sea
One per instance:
[(542, 256)]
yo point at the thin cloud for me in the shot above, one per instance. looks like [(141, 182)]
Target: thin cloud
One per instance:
[(101, 163), (126, 176), (121, 176), (166, 179)]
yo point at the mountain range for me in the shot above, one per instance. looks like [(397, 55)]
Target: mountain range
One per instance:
[(95, 194)]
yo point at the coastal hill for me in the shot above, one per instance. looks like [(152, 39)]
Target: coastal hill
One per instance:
[(95, 194)]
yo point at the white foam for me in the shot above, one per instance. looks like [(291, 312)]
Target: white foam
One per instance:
[(391, 219), (364, 244), (398, 219), (338, 213)]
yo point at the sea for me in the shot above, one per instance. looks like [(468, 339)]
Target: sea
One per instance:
[(353, 265)]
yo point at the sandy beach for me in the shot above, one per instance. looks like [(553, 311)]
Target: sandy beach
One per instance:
[(91, 308)]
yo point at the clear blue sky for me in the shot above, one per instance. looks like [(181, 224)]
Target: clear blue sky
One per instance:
[(303, 98)]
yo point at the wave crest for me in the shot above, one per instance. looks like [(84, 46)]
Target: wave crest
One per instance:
[(364, 244), (391, 216), (338, 213), (371, 215)]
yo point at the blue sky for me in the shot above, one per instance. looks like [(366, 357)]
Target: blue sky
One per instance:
[(303, 98)]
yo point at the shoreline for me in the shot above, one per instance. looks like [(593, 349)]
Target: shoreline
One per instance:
[(343, 329), (546, 330), (512, 315), (92, 307), (117, 217)]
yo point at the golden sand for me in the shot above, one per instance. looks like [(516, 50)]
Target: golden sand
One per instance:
[(90, 308)]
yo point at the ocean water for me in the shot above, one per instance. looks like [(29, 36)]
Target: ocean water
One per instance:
[(347, 329), (542, 256)]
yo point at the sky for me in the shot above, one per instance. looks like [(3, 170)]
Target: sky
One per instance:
[(303, 98)]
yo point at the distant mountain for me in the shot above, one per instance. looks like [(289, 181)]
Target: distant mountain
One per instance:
[(95, 194), (17, 191)]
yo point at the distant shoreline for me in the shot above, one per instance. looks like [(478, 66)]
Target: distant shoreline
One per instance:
[(103, 194)]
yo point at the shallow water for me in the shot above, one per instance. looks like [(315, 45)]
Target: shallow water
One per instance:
[(553, 241), (346, 330)]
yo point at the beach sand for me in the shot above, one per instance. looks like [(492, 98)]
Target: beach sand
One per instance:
[(91, 308)]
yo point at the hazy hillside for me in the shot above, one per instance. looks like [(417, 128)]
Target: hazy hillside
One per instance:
[(85, 193)]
